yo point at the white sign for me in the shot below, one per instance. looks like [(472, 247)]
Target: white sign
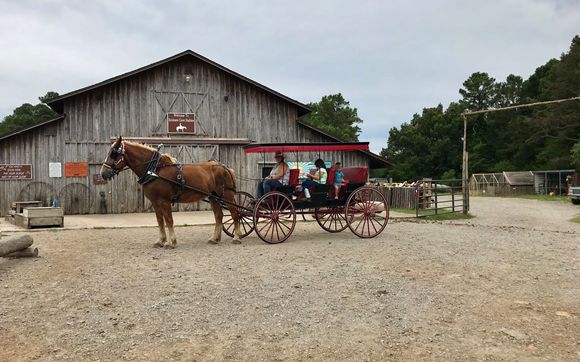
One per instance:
[(54, 169)]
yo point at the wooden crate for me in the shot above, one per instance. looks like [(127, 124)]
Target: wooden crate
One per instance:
[(40, 217)]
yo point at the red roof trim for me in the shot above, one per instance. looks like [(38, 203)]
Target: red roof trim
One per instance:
[(306, 147)]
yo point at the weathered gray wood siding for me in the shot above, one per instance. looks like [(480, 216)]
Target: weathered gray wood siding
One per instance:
[(225, 107)]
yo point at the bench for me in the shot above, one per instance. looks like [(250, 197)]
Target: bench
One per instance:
[(18, 206)]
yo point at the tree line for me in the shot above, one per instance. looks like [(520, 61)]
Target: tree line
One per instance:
[(28, 115), (540, 138)]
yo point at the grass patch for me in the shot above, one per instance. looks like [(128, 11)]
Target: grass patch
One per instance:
[(443, 214), (576, 219), (403, 211), (559, 198), (448, 216)]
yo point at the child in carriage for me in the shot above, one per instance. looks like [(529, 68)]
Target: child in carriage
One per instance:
[(338, 178)]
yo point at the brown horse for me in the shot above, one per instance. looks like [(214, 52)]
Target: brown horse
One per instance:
[(161, 176)]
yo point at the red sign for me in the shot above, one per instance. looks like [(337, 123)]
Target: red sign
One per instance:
[(15, 172), (98, 179), (76, 169), (182, 123)]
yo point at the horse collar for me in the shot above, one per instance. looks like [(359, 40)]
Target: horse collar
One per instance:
[(150, 174)]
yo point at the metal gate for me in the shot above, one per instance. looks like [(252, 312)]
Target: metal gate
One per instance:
[(437, 197)]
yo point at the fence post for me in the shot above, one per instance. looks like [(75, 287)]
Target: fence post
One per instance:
[(416, 200), (452, 198), (436, 203)]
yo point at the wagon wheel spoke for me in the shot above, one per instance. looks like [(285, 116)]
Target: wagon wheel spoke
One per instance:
[(277, 230), (286, 226)]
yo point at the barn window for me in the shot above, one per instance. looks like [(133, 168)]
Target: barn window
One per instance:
[(265, 168)]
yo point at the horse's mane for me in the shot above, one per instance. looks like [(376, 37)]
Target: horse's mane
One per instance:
[(164, 156)]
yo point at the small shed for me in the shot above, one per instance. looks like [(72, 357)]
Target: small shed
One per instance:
[(502, 183), (552, 181)]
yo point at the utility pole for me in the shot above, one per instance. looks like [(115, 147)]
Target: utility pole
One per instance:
[(464, 168)]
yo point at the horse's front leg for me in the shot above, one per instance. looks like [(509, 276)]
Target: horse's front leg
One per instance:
[(162, 237), (168, 216), (218, 215)]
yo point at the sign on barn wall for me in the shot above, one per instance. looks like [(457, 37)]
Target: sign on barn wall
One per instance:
[(181, 123), (15, 172), (76, 169), (98, 179), (54, 169)]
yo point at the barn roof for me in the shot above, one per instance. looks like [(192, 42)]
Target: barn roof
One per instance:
[(519, 178), (57, 103)]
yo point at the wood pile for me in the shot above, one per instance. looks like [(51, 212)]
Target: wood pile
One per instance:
[(404, 195), (18, 246)]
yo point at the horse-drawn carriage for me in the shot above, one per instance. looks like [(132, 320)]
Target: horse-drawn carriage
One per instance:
[(362, 209)]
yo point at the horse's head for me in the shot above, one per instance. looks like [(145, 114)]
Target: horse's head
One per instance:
[(115, 161)]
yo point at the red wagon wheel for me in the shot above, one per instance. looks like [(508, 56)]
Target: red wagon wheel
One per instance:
[(331, 219), (244, 205), (367, 212), (274, 218)]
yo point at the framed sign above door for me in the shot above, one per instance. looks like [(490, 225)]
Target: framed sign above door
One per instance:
[(181, 123)]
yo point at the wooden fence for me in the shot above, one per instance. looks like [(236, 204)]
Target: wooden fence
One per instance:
[(400, 197)]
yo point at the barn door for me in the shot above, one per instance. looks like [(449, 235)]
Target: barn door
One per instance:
[(180, 102)]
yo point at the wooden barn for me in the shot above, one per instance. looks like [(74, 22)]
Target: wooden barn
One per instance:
[(198, 109)]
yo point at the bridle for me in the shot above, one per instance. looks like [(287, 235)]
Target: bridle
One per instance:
[(117, 154)]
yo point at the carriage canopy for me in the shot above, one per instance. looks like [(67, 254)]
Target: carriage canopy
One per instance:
[(306, 147)]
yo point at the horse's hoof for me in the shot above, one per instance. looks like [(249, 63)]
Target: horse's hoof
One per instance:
[(158, 245), (213, 242), (236, 241), (169, 246)]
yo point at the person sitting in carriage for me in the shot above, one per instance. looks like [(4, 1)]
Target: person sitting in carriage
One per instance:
[(318, 177), (280, 175)]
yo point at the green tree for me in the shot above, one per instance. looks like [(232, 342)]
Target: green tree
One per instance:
[(544, 137), (334, 115), (28, 115), (428, 146), (575, 156), (479, 92), (556, 128)]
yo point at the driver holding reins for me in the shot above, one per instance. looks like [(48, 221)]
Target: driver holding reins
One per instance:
[(280, 175)]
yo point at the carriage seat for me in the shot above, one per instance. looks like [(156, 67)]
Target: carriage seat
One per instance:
[(292, 182), (354, 177), (320, 192)]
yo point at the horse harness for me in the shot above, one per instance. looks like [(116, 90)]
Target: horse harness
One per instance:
[(151, 175)]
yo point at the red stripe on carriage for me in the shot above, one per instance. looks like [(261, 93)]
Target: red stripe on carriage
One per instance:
[(311, 147)]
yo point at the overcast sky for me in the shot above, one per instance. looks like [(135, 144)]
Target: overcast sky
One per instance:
[(390, 59)]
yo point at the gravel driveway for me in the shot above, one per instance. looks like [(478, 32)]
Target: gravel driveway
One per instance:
[(502, 286)]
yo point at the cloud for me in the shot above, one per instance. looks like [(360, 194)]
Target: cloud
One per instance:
[(388, 58)]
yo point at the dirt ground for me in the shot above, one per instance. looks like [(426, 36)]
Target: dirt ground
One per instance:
[(502, 286)]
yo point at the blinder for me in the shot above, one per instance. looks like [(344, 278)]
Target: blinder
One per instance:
[(117, 155)]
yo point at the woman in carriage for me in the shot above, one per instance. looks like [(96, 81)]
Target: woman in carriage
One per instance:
[(280, 175)]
